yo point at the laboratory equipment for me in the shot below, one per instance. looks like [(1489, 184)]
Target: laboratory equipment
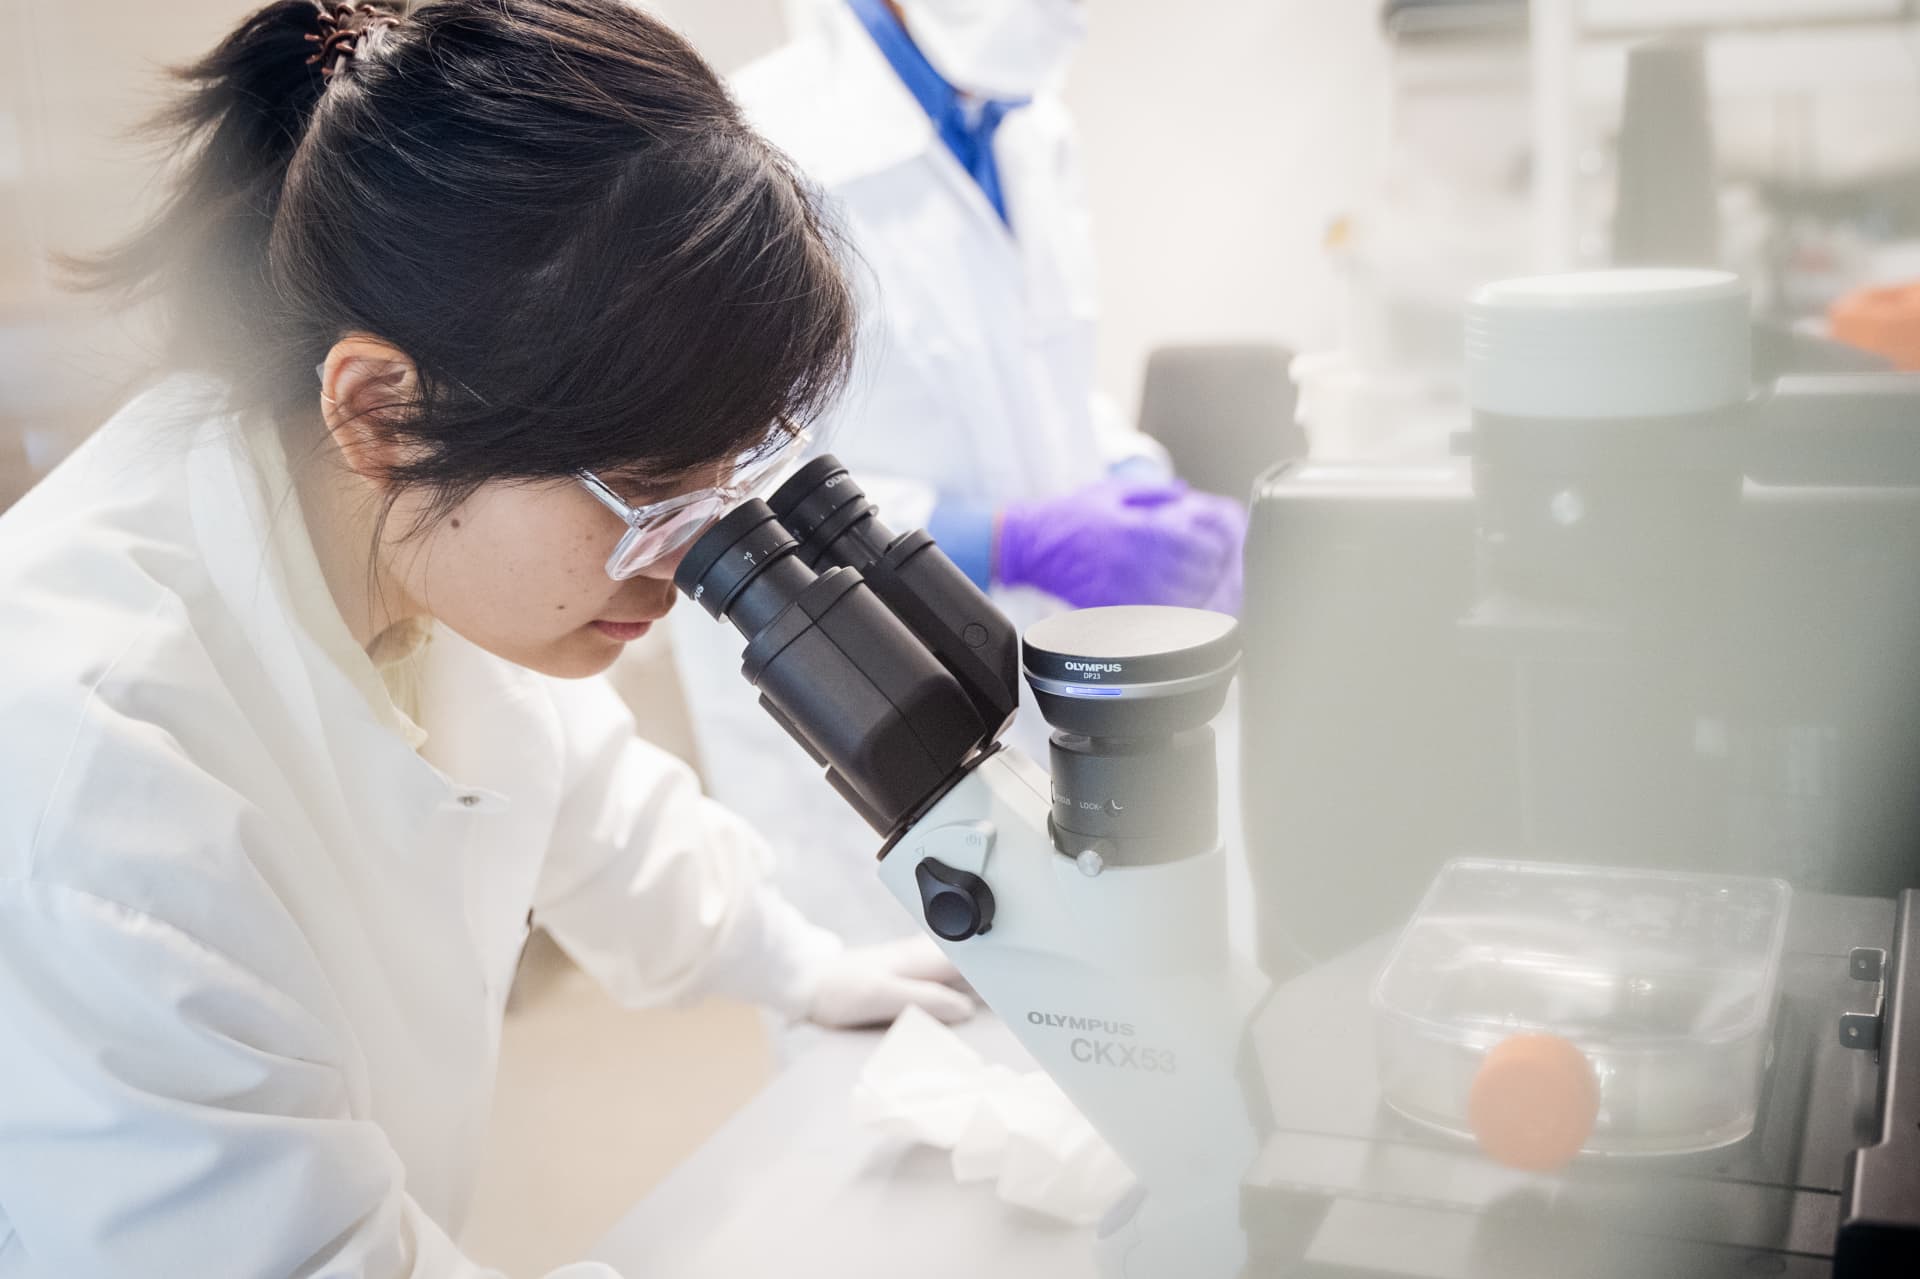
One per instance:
[(1534, 715), (1646, 616), (1089, 911), (1651, 614), (1664, 986)]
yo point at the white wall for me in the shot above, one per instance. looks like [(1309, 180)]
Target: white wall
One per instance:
[(730, 33), (1222, 137)]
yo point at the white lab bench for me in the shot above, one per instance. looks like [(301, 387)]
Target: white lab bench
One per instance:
[(792, 1186)]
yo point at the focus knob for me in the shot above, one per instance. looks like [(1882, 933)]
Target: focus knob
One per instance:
[(957, 903)]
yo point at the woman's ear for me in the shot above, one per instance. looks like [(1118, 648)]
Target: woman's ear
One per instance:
[(364, 384)]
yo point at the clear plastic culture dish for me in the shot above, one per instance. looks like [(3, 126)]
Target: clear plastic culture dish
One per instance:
[(1664, 985)]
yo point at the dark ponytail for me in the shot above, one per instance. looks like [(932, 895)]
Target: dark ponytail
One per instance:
[(552, 206)]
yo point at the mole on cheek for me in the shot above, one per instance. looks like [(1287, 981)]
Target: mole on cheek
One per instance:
[(456, 521)]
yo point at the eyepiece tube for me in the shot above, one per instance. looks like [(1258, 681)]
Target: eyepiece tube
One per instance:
[(743, 569), (838, 526), (839, 672)]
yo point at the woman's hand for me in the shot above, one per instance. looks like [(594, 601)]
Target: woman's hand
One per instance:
[(871, 985)]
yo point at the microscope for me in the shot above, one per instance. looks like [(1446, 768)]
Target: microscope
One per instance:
[(1088, 909), (1650, 617)]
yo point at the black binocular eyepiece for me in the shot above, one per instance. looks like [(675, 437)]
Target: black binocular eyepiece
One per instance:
[(838, 526), (743, 569), (895, 672), (849, 673)]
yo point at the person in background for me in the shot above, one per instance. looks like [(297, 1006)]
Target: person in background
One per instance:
[(937, 132), (469, 333)]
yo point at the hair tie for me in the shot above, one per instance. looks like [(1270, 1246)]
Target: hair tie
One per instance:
[(341, 27)]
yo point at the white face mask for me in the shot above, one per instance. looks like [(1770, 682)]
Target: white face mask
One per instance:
[(996, 48)]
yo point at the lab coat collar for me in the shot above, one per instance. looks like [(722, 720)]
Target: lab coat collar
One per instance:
[(257, 550), (253, 540)]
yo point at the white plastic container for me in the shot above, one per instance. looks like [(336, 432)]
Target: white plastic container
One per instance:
[(1622, 344), (1666, 983)]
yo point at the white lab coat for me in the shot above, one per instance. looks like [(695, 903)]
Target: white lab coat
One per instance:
[(976, 354), (974, 380), (254, 949)]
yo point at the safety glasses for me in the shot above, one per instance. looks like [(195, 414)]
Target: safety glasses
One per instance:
[(658, 529)]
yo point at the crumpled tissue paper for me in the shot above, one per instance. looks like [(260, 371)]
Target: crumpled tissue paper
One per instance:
[(1019, 1131)]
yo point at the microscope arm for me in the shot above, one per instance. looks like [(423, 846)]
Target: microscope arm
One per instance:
[(1120, 983), (1109, 961)]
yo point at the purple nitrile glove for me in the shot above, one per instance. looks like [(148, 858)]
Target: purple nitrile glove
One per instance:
[(1123, 542), (1227, 596), (1230, 519)]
